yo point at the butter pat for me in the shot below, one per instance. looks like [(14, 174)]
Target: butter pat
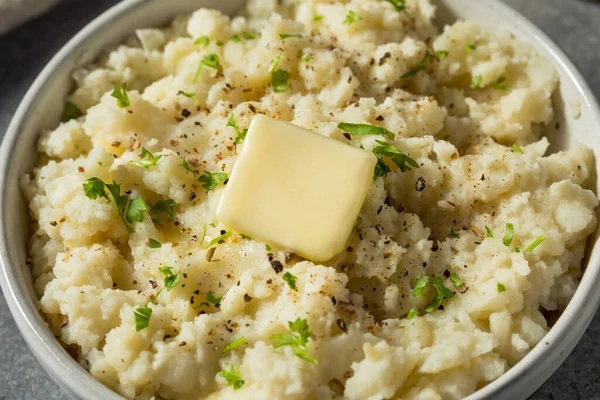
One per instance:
[(296, 189)]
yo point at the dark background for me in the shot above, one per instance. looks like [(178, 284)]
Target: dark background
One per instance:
[(573, 24)]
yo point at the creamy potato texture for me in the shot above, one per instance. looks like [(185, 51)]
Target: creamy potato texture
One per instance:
[(457, 98)]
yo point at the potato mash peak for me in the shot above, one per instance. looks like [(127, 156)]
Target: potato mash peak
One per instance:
[(464, 230)]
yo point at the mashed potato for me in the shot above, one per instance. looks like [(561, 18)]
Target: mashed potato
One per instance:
[(469, 106)]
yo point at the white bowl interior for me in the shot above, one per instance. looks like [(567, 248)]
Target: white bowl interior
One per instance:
[(43, 105)]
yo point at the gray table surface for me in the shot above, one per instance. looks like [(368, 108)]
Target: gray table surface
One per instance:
[(573, 24)]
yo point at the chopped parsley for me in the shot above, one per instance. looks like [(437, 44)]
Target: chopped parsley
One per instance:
[(219, 239), (120, 93), (438, 54), (456, 281), (71, 111), (162, 207), (215, 301), (135, 211), (147, 159), (470, 46), (212, 61), (404, 162), (318, 18), (241, 133), (488, 232), (279, 77), (203, 41), (501, 288), (517, 148), (291, 280), (235, 343), (423, 63), (95, 187), (210, 180), (476, 82), (232, 375), (187, 167), (267, 247), (297, 340), (284, 36), (364, 129), (154, 244), (498, 84), (535, 243), (235, 38), (170, 279), (442, 293), (453, 234), (192, 95), (412, 313), (250, 35), (142, 318), (399, 5), (508, 236), (420, 286), (352, 17), (306, 58)]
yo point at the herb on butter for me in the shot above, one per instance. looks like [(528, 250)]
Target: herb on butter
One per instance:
[(232, 375), (241, 133), (142, 318), (215, 301), (291, 280), (351, 18), (535, 243), (509, 235), (364, 129), (154, 244), (71, 112), (147, 159), (476, 82), (212, 61), (120, 93), (235, 343), (501, 288), (284, 36), (210, 180), (399, 5), (297, 340)]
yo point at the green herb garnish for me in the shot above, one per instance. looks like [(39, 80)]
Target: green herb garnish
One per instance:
[(420, 286), (279, 80), (456, 281), (423, 63), (147, 159), (235, 38), (170, 279), (203, 41), (71, 112), (297, 340), (535, 243), (95, 187), (284, 36), (120, 93), (453, 234), (210, 180), (364, 129), (154, 244), (412, 313), (318, 18), (508, 236), (517, 148), (488, 232), (476, 82), (250, 35), (232, 375), (498, 84), (135, 211), (235, 343), (442, 293), (404, 162), (399, 5), (241, 133), (352, 17), (192, 95), (267, 247), (187, 167), (501, 288), (142, 318), (162, 207), (219, 239), (212, 61), (215, 301), (291, 280), (470, 46)]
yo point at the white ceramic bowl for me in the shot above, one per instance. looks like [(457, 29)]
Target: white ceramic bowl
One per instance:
[(43, 104)]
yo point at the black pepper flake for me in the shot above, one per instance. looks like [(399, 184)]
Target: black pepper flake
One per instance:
[(342, 325), (447, 273), (194, 238), (185, 112), (289, 257), (270, 256), (277, 266), (333, 300), (53, 223), (482, 177), (379, 118), (247, 298), (192, 196), (154, 285), (420, 184), (347, 135)]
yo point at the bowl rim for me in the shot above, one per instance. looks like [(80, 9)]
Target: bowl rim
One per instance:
[(562, 337)]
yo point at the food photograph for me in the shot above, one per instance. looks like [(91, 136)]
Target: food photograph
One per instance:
[(299, 199)]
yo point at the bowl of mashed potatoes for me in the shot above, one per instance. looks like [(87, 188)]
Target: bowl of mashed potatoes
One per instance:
[(368, 199)]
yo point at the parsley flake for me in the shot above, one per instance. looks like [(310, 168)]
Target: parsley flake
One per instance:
[(162, 207), (279, 80), (476, 82), (456, 281), (442, 293), (212, 61), (402, 161), (364, 129), (517, 148), (241, 133), (318, 18), (423, 63), (508, 236), (142, 318), (219, 239), (203, 41), (215, 301), (284, 36), (535, 243), (212, 179), (501, 288), (235, 38), (291, 280), (399, 5), (498, 84), (135, 211), (170, 279), (297, 340), (95, 187), (420, 286), (412, 313), (154, 244), (147, 159), (452, 234), (470, 46), (250, 35), (120, 93), (267, 247), (71, 112), (187, 167), (192, 95), (488, 232), (235, 343), (351, 18), (232, 375)]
